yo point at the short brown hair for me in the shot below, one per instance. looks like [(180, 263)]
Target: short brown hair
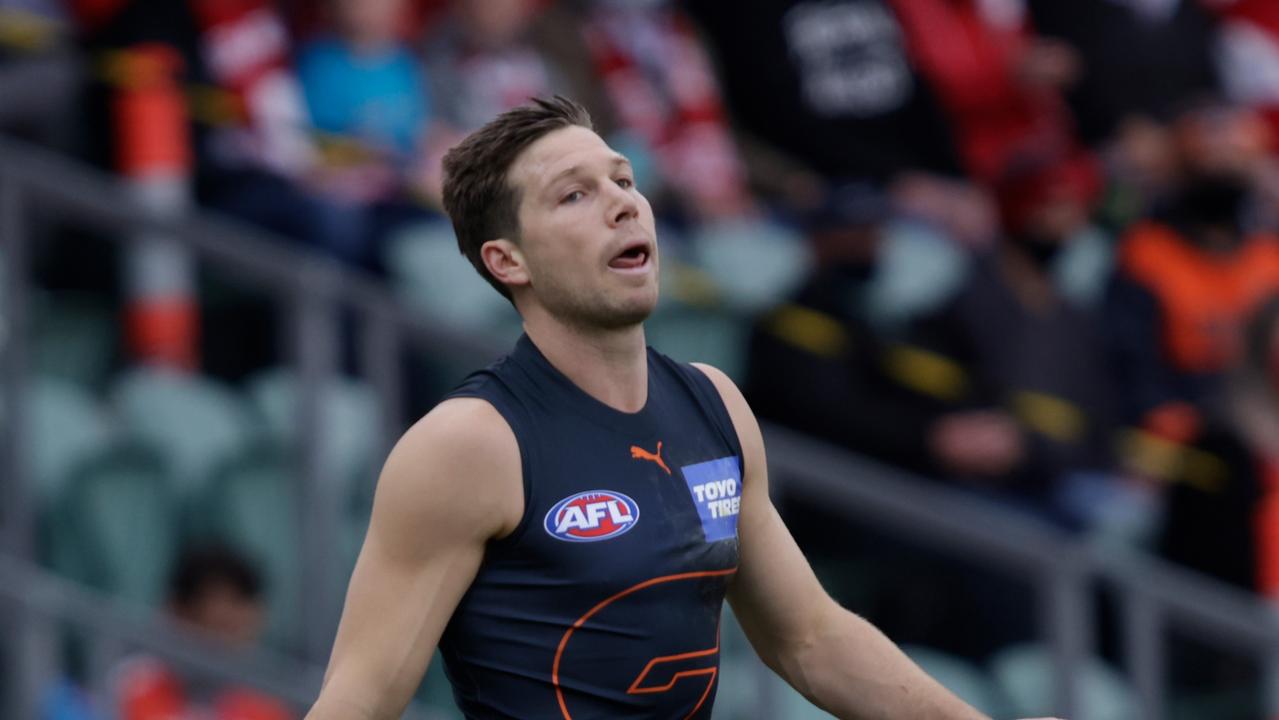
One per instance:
[(478, 195)]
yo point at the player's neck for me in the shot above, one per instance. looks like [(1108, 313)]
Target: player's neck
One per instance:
[(609, 365)]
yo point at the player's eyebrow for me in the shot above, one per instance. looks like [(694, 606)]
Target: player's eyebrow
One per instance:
[(617, 160)]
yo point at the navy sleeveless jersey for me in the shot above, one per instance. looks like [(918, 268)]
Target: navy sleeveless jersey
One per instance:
[(605, 601)]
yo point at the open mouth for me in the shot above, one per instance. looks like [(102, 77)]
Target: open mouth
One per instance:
[(633, 257)]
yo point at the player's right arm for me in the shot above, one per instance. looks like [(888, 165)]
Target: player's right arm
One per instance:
[(451, 484)]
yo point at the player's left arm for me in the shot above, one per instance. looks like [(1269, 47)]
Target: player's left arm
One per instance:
[(837, 660)]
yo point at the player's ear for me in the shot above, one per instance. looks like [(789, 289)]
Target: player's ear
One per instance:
[(505, 261)]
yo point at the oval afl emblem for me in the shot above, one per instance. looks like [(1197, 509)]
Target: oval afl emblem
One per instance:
[(591, 516)]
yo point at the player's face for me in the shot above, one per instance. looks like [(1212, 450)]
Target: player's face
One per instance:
[(586, 233)]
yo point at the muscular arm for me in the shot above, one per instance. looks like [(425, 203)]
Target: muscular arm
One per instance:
[(837, 660), (446, 490)]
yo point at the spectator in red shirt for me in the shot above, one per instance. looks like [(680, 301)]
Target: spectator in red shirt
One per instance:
[(216, 592), (1000, 83)]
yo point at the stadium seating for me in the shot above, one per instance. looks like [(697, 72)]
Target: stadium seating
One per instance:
[(75, 338), (793, 706), (431, 276), (754, 264), (251, 505), (436, 693), (350, 421), (1024, 673), (853, 579), (737, 693), (918, 270), (194, 422), (1236, 702), (1085, 266), (116, 525), (961, 677), (67, 428), (691, 334)]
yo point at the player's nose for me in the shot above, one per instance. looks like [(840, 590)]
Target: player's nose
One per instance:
[(623, 205)]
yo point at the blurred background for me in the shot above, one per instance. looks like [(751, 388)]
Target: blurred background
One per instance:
[(1001, 277)]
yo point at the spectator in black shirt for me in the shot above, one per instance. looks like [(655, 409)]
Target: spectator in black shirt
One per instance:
[(824, 91), (828, 83), (819, 363), (1027, 402), (1140, 58)]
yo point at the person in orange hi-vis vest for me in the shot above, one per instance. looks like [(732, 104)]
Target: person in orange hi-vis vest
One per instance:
[(1191, 274)]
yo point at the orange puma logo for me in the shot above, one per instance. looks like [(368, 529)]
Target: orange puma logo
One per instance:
[(639, 453)]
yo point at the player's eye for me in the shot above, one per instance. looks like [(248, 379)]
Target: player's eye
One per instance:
[(625, 183), (572, 197)]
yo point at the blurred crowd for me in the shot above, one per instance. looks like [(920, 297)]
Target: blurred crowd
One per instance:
[(1044, 261)]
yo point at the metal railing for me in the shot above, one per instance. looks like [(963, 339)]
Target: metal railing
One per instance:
[(1154, 596), (312, 288), (51, 606)]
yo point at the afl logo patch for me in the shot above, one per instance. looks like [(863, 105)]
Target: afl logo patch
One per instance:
[(591, 516)]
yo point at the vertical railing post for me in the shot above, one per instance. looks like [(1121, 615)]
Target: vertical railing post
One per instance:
[(154, 156), (15, 507), (315, 355), (1270, 665), (1270, 668), (16, 516), (103, 658), (383, 363), (1068, 625), (37, 653), (1144, 649)]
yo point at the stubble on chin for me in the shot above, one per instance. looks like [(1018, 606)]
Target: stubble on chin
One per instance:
[(595, 311)]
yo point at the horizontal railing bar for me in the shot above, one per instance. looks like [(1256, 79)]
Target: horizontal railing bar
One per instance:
[(99, 199), (45, 594), (886, 496), (883, 496), (1190, 601), (879, 495)]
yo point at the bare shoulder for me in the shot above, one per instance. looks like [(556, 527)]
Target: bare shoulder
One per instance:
[(472, 422), (717, 376), (728, 390), (458, 468), (739, 410)]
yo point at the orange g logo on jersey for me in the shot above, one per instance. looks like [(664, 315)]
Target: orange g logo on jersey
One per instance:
[(663, 668), (663, 674)]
